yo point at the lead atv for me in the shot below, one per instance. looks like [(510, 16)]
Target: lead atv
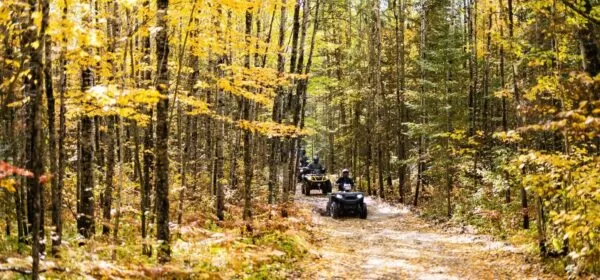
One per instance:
[(346, 202), (315, 180)]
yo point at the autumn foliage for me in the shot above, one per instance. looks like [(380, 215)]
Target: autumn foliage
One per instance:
[(161, 138)]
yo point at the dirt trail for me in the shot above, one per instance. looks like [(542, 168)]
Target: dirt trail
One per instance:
[(395, 244)]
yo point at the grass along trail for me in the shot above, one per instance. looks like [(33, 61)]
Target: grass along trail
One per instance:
[(393, 243)]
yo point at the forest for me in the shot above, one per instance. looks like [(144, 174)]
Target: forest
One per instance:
[(161, 138)]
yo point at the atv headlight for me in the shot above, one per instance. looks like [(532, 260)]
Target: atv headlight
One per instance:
[(359, 196), (338, 196)]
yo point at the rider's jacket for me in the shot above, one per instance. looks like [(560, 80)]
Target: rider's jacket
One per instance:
[(315, 166), (344, 180)]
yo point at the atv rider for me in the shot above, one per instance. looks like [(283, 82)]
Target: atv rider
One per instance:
[(318, 180), (316, 167), (345, 179), (303, 158), (302, 163)]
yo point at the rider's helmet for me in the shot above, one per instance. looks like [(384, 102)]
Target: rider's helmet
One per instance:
[(345, 172), (316, 159)]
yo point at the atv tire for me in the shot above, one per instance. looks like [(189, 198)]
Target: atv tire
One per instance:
[(363, 211), (335, 210)]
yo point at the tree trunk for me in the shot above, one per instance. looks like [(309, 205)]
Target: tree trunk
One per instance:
[(109, 134), (276, 115), (248, 168), (183, 158), (119, 188), (33, 131), (507, 198), (110, 171), (487, 129), (369, 153), (218, 157), (162, 134), (472, 68), (57, 195), (148, 155), (399, 16), (148, 171), (449, 160), (420, 160), (52, 156), (524, 207), (303, 84), (85, 220)]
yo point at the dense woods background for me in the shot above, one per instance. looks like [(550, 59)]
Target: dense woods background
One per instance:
[(123, 122)]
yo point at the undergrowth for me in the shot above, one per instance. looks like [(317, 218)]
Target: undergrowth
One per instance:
[(202, 248)]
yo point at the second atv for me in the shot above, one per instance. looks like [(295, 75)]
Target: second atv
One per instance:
[(315, 180)]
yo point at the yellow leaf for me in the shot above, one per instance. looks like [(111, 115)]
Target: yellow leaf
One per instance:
[(8, 184)]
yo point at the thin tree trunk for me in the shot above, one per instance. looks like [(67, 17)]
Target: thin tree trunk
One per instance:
[(524, 203), (289, 154), (52, 156), (399, 32), (78, 167), (268, 41), (183, 152), (472, 70), (33, 132), (248, 168), (295, 36), (119, 188), (304, 82), (85, 220), (192, 134), (507, 198), (148, 155), (369, 151), (110, 171), (449, 160), (420, 162), (486, 77), (148, 159), (276, 115), (57, 195), (162, 135), (219, 159), (109, 135), (98, 147), (378, 98), (299, 98)]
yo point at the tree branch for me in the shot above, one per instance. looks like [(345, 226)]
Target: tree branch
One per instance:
[(580, 12)]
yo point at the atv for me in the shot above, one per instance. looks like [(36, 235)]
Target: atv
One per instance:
[(315, 180), (346, 202)]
